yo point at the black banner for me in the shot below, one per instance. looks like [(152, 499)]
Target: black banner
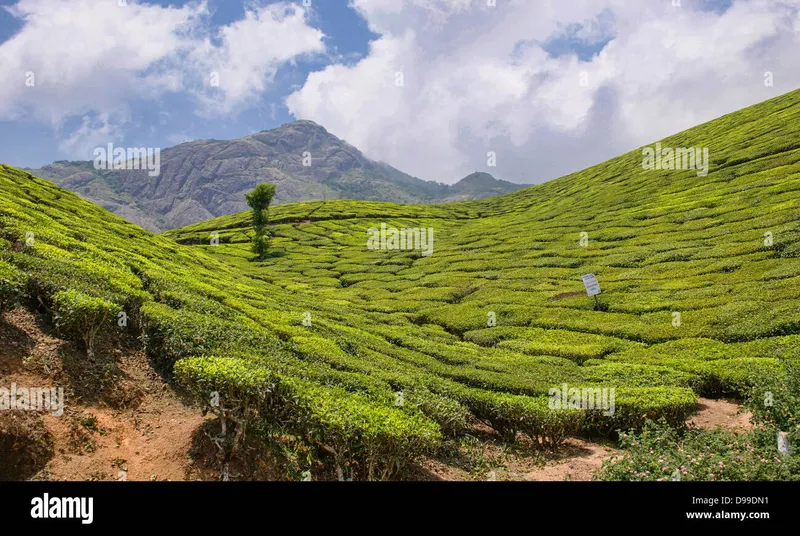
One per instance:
[(327, 505)]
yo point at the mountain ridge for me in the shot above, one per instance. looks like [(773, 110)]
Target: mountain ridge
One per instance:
[(204, 179)]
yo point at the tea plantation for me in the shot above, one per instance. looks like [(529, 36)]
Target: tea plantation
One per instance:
[(368, 359)]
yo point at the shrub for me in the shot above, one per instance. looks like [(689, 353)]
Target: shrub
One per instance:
[(661, 453), (453, 418), (381, 440), (775, 398), (84, 318), (509, 414), (170, 335), (12, 283), (726, 377), (365, 438), (634, 375), (635, 406), (236, 393)]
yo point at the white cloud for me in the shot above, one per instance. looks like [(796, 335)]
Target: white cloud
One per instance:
[(93, 131), (87, 56), (475, 81), (92, 59), (251, 51)]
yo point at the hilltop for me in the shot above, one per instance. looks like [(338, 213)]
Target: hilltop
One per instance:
[(203, 179), (356, 363)]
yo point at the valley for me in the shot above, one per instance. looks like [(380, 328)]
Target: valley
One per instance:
[(336, 361)]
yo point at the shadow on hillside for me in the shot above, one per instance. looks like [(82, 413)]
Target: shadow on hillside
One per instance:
[(253, 462), (25, 444), (101, 379), (90, 380), (15, 342)]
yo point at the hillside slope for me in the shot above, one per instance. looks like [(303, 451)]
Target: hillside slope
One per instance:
[(372, 356), (203, 179)]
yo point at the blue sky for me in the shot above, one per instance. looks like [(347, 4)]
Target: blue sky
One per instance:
[(548, 86)]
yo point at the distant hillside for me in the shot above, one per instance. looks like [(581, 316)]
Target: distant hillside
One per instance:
[(480, 186), (201, 180)]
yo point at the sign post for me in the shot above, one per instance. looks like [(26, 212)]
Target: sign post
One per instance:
[(592, 288)]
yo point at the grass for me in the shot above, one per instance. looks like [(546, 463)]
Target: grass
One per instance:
[(481, 329)]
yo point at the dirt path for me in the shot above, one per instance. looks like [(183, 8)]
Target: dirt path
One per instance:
[(725, 413), (581, 463), (152, 442)]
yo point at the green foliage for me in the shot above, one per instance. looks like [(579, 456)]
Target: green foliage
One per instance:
[(84, 318), (12, 285), (451, 416), (660, 453), (510, 414), (170, 334), (775, 399), (259, 201), (636, 405), (364, 439), (635, 375)]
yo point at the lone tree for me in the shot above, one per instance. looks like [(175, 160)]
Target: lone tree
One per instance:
[(259, 200)]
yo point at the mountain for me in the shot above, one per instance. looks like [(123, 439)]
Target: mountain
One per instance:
[(366, 361), (479, 186), (203, 179)]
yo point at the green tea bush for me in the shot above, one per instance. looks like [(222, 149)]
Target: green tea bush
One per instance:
[(575, 346), (636, 405), (12, 285), (363, 438), (380, 440), (509, 414), (777, 347), (170, 334), (84, 318), (726, 377), (634, 375), (453, 418)]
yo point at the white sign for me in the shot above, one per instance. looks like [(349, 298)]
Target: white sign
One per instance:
[(784, 445), (591, 284)]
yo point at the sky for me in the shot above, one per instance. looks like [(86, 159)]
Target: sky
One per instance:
[(436, 88)]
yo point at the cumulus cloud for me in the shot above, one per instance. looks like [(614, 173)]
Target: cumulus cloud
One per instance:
[(478, 79), (85, 62), (76, 56), (250, 54)]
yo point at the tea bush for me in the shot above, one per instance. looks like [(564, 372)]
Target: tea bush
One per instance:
[(634, 406), (12, 285), (372, 441), (84, 318)]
